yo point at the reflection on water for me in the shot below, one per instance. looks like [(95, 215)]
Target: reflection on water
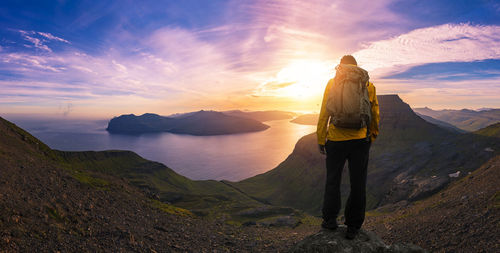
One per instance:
[(231, 157)]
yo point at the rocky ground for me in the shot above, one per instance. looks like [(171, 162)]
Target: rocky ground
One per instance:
[(464, 217), (334, 241), (45, 207)]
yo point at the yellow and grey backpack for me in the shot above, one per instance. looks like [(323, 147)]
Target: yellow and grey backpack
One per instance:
[(348, 101)]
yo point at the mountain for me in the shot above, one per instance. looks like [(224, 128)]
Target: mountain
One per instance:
[(197, 123), (491, 130), (261, 115), (306, 119), (410, 160), (463, 217), (468, 120), (441, 123), (117, 201)]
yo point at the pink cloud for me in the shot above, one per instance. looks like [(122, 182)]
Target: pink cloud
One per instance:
[(444, 43)]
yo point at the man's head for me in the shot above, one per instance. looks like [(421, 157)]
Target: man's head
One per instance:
[(348, 59)]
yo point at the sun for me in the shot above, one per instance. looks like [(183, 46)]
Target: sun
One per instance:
[(299, 79)]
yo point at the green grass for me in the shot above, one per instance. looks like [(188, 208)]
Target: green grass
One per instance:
[(171, 209), (491, 130), (205, 198), (496, 200), (86, 178)]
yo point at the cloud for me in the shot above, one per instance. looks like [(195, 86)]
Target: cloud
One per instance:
[(52, 37), (253, 52), (446, 95), (170, 64), (443, 43), (40, 42), (474, 70), (37, 43)]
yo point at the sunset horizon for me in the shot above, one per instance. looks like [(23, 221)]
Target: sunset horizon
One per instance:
[(78, 59)]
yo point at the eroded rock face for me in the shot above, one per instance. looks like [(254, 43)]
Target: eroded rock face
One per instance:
[(334, 241)]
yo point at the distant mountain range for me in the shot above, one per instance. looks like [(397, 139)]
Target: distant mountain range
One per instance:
[(468, 120), (440, 123), (261, 116), (306, 119), (195, 123), (410, 160)]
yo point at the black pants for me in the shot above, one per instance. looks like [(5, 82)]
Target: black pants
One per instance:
[(356, 153)]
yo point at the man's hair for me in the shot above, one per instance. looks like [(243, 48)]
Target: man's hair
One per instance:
[(348, 59)]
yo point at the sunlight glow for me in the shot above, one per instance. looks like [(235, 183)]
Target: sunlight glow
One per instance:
[(301, 79)]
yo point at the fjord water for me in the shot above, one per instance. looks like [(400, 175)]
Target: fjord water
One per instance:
[(231, 157)]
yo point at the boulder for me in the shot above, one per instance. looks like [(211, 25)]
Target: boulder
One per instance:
[(334, 241)]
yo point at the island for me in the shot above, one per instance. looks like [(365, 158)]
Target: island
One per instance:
[(194, 123), (306, 119)]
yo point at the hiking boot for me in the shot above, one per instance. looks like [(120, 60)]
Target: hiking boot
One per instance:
[(351, 233), (331, 224)]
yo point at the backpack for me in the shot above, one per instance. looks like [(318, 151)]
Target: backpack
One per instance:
[(348, 101)]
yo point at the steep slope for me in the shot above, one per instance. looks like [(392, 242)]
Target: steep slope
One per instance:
[(87, 201), (196, 123), (464, 217), (208, 198), (410, 160), (491, 130), (464, 119)]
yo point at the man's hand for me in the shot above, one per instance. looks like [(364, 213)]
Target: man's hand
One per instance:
[(322, 149)]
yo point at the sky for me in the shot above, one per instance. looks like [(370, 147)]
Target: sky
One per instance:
[(100, 59)]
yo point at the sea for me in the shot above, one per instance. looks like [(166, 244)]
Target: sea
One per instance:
[(222, 157)]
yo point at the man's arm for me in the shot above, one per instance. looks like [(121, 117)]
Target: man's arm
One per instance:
[(324, 117), (374, 124)]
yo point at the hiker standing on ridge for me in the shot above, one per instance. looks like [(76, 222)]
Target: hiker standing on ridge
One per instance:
[(347, 124)]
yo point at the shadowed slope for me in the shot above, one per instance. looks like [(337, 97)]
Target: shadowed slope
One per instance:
[(88, 201), (464, 217)]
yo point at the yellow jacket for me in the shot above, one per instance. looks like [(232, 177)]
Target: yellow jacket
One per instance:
[(344, 134)]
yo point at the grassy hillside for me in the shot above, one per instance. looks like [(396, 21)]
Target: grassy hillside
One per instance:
[(464, 119), (464, 217), (117, 201), (411, 159), (491, 130), (204, 198)]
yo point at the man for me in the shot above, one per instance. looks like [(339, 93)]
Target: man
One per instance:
[(350, 142)]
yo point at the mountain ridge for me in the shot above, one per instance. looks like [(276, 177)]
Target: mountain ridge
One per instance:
[(465, 119)]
